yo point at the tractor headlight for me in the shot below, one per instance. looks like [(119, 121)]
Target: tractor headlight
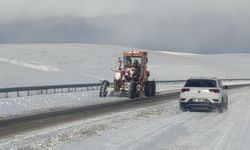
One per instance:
[(118, 75)]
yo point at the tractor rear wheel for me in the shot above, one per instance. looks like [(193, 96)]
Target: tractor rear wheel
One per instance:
[(147, 89), (103, 90), (137, 93), (132, 90), (153, 88), (117, 85)]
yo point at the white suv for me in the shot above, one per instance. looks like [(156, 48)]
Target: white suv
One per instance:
[(200, 93)]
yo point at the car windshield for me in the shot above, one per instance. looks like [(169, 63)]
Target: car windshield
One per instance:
[(200, 83)]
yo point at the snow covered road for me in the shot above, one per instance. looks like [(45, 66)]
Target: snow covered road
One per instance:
[(165, 128), (28, 105), (158, 126)]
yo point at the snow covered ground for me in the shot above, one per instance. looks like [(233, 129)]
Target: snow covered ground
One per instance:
[(154, 127), (43, 64), (160, 126), (12, 107), (163, 127)]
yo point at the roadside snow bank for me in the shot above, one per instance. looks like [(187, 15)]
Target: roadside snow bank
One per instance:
[(11, 107)]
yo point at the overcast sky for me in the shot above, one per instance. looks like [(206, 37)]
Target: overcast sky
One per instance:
[(203, 26)]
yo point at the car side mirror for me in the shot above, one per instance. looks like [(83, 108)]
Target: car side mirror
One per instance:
[(225, 87)]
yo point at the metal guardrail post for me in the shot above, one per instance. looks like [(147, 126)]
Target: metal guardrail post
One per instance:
[(17, 94), (6, 95)]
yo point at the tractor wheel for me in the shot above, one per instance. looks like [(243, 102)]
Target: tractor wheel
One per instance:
[(117, 84), (153, 88), (147, 89), (137, 93), (103, 90), (132, 90)]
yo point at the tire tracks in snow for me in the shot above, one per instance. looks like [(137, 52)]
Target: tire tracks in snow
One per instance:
[(161, 126)]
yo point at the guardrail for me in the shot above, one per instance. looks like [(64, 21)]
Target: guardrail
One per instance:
[(47, 89), (50, 89)]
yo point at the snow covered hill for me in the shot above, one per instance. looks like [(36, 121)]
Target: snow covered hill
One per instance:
[(42, 64)]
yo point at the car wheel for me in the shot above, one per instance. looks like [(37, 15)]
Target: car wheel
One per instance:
[(221, 107), (182, 108), (226, 105)]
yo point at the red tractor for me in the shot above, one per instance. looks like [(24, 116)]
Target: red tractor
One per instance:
[(131, 77)]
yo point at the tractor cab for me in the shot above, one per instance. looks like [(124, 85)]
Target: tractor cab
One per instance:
[(134, 59), (135, 65)]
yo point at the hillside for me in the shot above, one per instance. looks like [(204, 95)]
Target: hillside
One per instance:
[(39, 64)]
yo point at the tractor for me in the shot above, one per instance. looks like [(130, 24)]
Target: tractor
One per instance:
[(131, 77)]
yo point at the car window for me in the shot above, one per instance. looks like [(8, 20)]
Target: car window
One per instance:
[(200, 83)]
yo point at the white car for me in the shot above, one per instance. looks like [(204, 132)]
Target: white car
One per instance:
[(203, 93)]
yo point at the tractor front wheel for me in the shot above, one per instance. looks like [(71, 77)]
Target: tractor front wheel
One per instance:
[(147, 89), (132, 90), (103, 90), (117, 85)]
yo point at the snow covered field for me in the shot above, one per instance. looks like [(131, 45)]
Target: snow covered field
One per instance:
[(43, 64)]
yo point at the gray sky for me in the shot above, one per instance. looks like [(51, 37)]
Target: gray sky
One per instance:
[(203, 26)]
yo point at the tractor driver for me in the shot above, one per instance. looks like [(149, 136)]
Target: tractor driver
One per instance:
[(136, 63), (129, 62), (136, 73)]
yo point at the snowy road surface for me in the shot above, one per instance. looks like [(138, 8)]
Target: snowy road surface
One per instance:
[(159, 126), (16, 106)]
